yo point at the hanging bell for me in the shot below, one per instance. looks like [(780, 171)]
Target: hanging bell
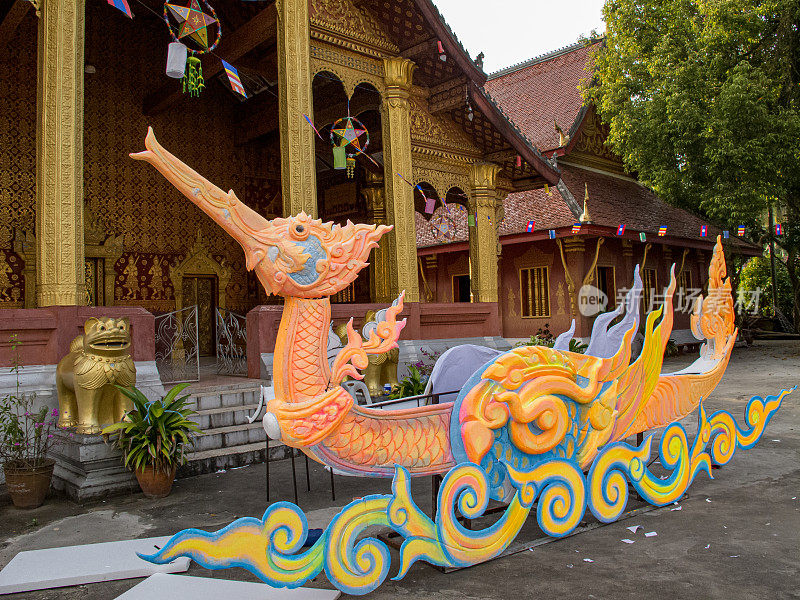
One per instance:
[(339, 155), (176, 60), (351, 166)]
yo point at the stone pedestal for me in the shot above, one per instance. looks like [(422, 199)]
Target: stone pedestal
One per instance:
[(88, 468)]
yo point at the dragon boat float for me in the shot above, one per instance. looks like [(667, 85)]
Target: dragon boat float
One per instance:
[(534, 427)]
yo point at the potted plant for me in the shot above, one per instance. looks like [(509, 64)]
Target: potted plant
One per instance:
[(153, 437), (26, 436)]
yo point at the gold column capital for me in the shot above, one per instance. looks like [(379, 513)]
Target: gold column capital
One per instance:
[(398, 73), (483, 177)]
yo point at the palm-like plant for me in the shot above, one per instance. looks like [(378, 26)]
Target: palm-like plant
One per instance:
[(154, 433)]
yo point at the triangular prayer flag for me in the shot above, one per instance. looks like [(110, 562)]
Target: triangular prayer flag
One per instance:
[(233, 77), (662, 231), (531, 225), (122, 5), (621, 229), (740, 230), (552, 234), (642, 236)]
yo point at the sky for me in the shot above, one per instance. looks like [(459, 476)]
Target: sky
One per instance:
[(511, 31)]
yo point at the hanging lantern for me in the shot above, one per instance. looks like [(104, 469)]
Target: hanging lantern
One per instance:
[(177, 54), (195, 30), (193, 82), (349, 138)]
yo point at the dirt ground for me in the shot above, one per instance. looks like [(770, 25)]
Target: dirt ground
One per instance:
[(736, 537)]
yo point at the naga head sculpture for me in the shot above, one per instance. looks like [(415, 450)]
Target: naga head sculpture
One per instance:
[(294, 256)]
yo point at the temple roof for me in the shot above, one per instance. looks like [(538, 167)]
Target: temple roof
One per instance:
[(543, 91)]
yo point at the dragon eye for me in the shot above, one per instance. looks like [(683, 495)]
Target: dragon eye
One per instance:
[(299, 229)]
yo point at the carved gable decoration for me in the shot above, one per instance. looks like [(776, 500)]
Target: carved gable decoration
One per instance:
[(593, 136), (437, 132), (344, 18)]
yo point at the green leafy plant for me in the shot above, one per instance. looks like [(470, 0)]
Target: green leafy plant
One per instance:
[(411, 385), (26, 434), (577, 346), (154, 433)]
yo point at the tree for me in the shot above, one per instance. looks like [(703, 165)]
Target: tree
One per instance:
[(703, 102)]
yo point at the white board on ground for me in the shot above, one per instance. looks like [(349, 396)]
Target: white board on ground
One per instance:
[(89, 563), (183, 587)]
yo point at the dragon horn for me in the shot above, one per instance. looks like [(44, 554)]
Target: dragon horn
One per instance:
[(244, 224)]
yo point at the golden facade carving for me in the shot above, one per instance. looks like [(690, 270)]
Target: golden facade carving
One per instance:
[(395, 120), (199, 262), (442, 176), (350, 67), (574, 247), (59, 160), (560, 300), (86, 377), (298, 157), (588, 279), (105, 250), (342, 21), (438, 136), (593, 137), (483, 239)]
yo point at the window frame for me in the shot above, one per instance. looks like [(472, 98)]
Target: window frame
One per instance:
[(546, 270)]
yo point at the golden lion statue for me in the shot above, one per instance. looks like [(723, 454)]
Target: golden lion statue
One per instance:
[(85, 378)]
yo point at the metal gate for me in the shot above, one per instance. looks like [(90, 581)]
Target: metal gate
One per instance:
[(177, 352), (231, 343)]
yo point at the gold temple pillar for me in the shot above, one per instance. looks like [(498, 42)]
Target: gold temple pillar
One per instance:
[(59, 154), (298, 157), (380, 280), (395, 117), (483, 242)]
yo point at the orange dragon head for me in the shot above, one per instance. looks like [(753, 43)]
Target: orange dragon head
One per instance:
[(295, 256)]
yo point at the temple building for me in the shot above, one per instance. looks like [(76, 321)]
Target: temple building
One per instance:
[(461, 163)]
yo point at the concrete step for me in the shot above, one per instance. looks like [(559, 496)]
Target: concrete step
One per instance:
[(225, 416), (215, 459)]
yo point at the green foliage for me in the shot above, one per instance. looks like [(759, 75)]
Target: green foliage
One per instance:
[(411, 385), (756, 275), (26, 434), (671, 348), (577, 346), (154, 433), (703, 102)]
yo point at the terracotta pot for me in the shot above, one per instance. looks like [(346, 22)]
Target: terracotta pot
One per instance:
[(28, 486), (156, 484)]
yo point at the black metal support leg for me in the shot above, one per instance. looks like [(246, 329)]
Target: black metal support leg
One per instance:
[(294, 475), (333, 489), (308, 476), (266, 460)]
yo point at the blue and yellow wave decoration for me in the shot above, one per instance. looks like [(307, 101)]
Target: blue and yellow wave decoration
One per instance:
[(272, 547)]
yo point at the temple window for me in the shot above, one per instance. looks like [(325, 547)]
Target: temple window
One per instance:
[(606, 284), (535, 292)]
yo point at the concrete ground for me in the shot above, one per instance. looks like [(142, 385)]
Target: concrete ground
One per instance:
[(735, 537)]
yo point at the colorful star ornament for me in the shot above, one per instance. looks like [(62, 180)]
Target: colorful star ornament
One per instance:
[(190, 26), (349, 138)]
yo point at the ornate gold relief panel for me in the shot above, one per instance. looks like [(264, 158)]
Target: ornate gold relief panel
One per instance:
[(441, 174), (341, 22), (438, 133), (350, 67)]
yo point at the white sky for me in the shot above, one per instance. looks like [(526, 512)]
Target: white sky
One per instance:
[(511, 31)]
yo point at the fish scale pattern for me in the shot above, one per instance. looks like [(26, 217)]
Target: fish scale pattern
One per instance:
[(308, 378), (419, 443)]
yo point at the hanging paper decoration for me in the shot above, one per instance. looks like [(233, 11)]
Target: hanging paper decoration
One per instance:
[(177, 54), (552, 234), (121, 5), (430, 204), (440, 48), (349, 138), (471, 221), (740, 230), (778, 229), (642, 236), (726, 234), (519, 161), (703, 230), (576, 227), (621, 229), (190, 26), (193, 82), (662, 231), (233, 78), (531, 225)]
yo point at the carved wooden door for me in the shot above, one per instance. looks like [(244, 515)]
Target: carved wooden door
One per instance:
[(202, 291)]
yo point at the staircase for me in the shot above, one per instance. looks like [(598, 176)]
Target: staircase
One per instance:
[(226, 439)]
